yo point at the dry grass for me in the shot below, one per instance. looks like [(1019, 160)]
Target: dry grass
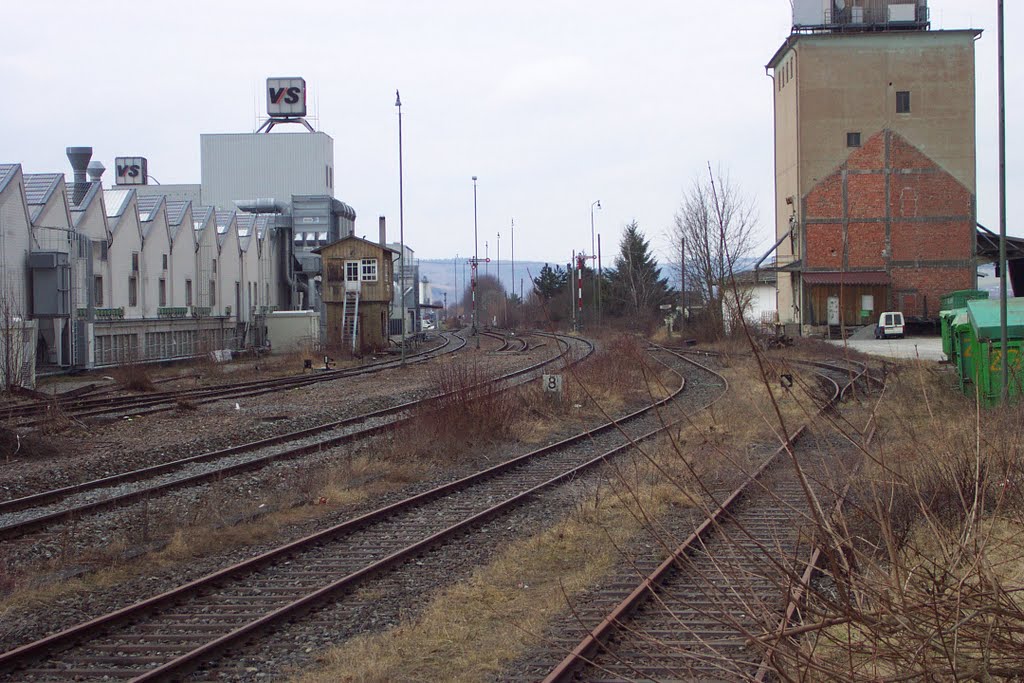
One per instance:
[(472, 629), (928, 563)]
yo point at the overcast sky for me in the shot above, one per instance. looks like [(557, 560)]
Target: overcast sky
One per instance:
[(552, 104)]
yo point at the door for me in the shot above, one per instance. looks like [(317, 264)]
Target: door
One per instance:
[(833, 310), (351, 276)]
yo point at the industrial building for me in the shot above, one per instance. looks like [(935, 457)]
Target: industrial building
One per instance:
[(138, 271), (874, 162)]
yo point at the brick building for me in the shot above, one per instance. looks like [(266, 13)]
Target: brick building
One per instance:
[(874, 164)]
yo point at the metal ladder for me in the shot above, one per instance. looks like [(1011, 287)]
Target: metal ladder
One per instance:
[(350, 320)]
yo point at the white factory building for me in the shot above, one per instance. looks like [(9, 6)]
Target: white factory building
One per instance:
[(99, 275)]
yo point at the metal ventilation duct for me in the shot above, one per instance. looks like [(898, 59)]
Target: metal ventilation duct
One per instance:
[(260, 205), (79, 158)]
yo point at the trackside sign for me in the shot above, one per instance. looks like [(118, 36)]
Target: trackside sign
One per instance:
[(286, 97)]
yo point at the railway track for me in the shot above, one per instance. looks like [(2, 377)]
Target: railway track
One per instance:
[(509, 343), (42, 510), (166, 636), (692, 615), (168, 400)]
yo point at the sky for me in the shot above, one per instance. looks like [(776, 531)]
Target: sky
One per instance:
[(553, 104)]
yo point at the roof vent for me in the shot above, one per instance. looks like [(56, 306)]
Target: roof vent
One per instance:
[(96, 169)]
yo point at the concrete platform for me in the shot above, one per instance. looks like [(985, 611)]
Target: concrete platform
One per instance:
[(921, 348)]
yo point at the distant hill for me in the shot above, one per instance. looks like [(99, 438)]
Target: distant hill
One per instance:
[(441, 274)]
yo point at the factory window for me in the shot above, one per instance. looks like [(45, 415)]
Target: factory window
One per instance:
[(162, 292), (213, 293), (97, 291), (853, 139), (135, 261), (165, 261), (369, 270), (133, 291), (188, 292), (903, 102)]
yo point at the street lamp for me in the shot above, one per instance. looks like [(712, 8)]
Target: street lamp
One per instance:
[(476, 258), (593, 255), (401, 217)]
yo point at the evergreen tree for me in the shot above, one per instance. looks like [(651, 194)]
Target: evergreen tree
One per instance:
[(550, 282), (635, 286)]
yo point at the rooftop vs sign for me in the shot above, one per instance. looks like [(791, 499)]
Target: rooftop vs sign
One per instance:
[(286, 97), (131, 171)]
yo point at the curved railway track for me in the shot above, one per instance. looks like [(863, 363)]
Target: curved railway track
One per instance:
[(166, 636), (692, 616), (167, 400), (31, 513)]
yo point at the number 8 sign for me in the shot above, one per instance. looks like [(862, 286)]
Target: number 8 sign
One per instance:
[(553, 384)]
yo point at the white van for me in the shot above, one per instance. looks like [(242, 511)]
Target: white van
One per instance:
[(890, 324)]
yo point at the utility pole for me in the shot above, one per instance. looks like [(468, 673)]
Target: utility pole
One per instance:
[(476, 257), (1003, 290), (513, 256), (600, 278), (593, 253), (401, 217), (682, 278)]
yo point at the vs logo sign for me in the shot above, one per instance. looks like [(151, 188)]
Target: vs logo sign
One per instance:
[(131, 170), (286, 97)]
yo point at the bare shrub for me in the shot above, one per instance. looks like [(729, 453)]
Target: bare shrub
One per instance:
[(133, 375), (471, 408)]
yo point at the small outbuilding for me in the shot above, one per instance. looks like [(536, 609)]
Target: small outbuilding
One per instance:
[(357, 293)]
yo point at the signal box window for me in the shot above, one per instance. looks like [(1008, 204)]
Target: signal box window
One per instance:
[(853, 139), (369, 270), (903, 102)]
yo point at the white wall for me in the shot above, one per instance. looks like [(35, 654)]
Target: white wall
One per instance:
[(156, 244), (14, 241), (126, 240)]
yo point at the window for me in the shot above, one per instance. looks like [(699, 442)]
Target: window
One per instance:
[(853, 139), (352, 271), (162, 292), (213, 293), (133, 291), (103, 250), (97, 291), (903, 102), (135, 261), (165, 261), (238, 298), (214, 266), (188, 292), (369, 270)]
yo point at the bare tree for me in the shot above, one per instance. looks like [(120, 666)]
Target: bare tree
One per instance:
[(716, 223)]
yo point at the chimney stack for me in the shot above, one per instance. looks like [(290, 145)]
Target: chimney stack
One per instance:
[(383, 232)]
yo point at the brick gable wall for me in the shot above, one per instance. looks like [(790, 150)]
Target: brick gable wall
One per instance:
[(891, 208)]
